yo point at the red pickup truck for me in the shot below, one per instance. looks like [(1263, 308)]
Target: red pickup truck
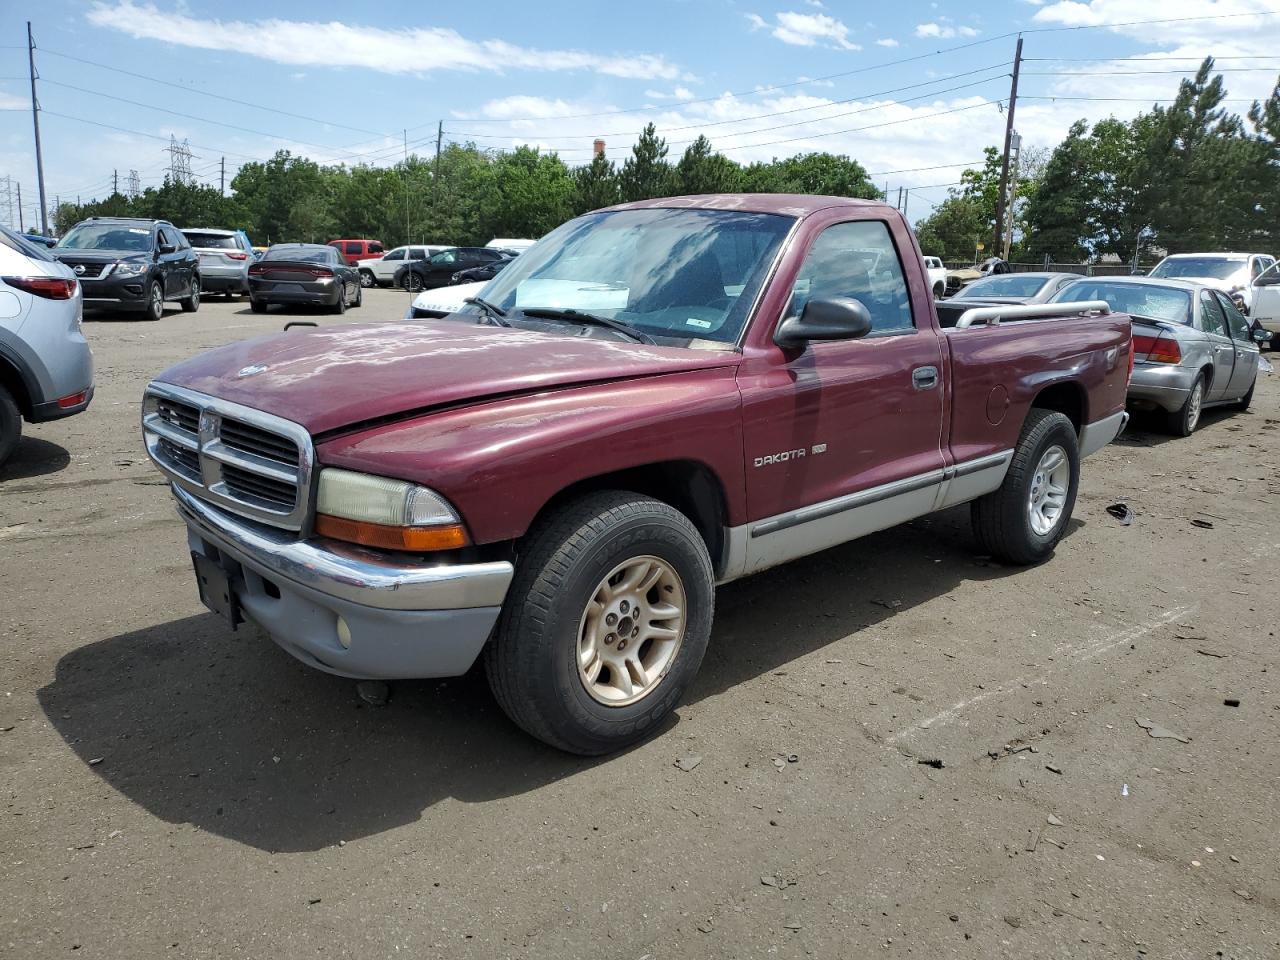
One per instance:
[(654, 399)]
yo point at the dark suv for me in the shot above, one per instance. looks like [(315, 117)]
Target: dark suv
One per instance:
[(132, 265), (439, 270)]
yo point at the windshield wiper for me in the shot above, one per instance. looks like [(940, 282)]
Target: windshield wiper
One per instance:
[(589, 319), (491, 310)]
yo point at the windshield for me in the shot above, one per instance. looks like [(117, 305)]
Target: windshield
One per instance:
[(28, 248), (1136, 299), (211, 241), (107, 236), (1006, 285), (1220, 268), (684, 274), (302, 254)]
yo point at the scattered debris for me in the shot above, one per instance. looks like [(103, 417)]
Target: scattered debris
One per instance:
[(95, 761), (793, 758), (791, 926), (313, 901), (1231, 702), (1211, 653), (936, 764), (1057, 843), (1233, 858), (376, 693), (1053, 769), (1203, 524), (955, 918), (1053, 821), (777, 881), (1124, 791), (888, 604), (1121, 512), (1158, 732), (780, 763), (1034, 841), (1014, 922), (705, 927), (688, 763), (1243, 894)]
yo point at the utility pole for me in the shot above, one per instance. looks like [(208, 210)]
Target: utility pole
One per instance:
[(115, 182), (222, 177), (906, 199), (35, 120), (435, 173), (407, 237), (1008, 138), (22, 227), (1016, 145)]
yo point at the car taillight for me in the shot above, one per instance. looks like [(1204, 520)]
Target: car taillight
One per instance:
[(320, 272), (1132, 349), (51, 288), (238, 256), (257, 270), (1159, 349)]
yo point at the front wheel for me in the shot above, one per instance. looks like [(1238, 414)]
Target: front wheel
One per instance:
[(10, 425), (1023, 520), (1183, 421), (155, 301), (359, 297), (191, 303), (367, 278), (411, 282), (605, 624)]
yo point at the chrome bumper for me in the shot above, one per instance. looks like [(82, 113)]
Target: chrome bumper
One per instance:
[(349, 611)]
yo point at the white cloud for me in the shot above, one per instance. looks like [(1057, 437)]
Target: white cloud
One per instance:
[(943, 31), (9, 102), (887, 42), (805, 30), (336, 44), (679, 93)]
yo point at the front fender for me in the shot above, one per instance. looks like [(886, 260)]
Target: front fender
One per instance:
[(500, 463)]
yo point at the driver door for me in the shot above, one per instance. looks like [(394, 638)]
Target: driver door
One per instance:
[(1246, 351), (1214, 323), (1266, 297)]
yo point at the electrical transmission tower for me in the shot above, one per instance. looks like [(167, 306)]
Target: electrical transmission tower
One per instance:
[(179, 160), (6, 197), (134, 187)]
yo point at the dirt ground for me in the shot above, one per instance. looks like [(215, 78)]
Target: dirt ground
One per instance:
[(174, 789)]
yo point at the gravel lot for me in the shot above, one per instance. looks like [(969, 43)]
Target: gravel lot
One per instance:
[(174, 789)]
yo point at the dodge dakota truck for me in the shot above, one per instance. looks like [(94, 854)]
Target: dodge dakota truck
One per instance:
[(655, 399)]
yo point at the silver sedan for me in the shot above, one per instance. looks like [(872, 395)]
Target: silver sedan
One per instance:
[(1192, 347), (1016, 287)]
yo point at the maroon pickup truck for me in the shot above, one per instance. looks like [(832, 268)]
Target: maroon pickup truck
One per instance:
[(654, 399)]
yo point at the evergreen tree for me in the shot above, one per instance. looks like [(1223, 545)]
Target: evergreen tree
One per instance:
[(702, 170), (646, 173), (595, 185)]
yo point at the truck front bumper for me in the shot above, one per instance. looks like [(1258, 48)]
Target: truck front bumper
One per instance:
[(348, 611)]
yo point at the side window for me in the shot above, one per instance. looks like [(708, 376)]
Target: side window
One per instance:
[(183, 242), (1212, 318), (162, 237), (1235, 319), (353, 246), (396, 254), (375, 248), (417, 253), (1255, 268), (857, 261)]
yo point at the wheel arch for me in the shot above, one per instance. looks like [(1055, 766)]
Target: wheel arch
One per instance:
[(689, 486), (13, 379), (1067, 397)]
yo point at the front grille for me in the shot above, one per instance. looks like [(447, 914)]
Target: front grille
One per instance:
[(262, 443), (91, 270), (244, 460), (252, 486), (423, 314)]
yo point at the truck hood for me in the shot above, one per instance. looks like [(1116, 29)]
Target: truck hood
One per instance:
[(333, 378)]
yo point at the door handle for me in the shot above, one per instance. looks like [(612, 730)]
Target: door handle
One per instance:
[(924, 378)]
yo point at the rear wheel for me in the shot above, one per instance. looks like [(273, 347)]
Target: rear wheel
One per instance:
[(257, 306), (10, 425), (359, 297), (367, 278), (191, 303), (1024, 520), (411, 282), (155, 301), (1183, 421), (341, 306), (605, 624)]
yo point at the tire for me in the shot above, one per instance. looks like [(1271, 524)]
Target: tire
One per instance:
[(411, 282), (939, 289), (1243, 402), (257, 306), (1005, 521), (367, 278), (341, 306), (155, 302), (191, 303), (1183, 421), (10, 425), (534, 662), (359, 297)]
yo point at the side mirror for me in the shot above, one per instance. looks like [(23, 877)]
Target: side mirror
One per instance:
[(1260, 335), (167, 248), (839, 318)]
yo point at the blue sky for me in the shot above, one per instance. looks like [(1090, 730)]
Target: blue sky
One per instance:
[(899, 87)]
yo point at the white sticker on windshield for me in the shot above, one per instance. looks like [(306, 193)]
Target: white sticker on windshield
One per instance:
[(138, 230), (700, 324)]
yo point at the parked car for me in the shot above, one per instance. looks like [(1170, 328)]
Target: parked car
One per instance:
[(46, 369), (958, 279), (44, 241), (1192, 346), (304, 274), (131, 265), (442, 301), (937, 276), (1265, 312), (511, 244), (557, 476), (353, 251), (486, 271), (436, 271), (1232, 273), (225, 256), (381, 271), (1017, 287)]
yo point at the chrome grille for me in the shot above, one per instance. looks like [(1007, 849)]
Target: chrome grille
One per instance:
[(238, 458), (91, 271)]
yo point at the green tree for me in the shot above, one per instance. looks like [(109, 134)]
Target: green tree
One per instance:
[(595, 185), (527, 194), (955, 228), (702, 170), (821, 174), (646, 173)]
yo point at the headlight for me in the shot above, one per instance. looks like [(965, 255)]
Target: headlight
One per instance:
[(456, 277), (385, 513), (129, 269)]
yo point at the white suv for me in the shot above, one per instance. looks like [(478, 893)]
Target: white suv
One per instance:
[(381, 271), (1232, 273), (937, 276)]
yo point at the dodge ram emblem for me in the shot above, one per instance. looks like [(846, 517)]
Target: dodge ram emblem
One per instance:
[(252, 370)]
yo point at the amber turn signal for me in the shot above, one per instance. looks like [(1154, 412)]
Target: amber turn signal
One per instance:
[(412, 539)]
